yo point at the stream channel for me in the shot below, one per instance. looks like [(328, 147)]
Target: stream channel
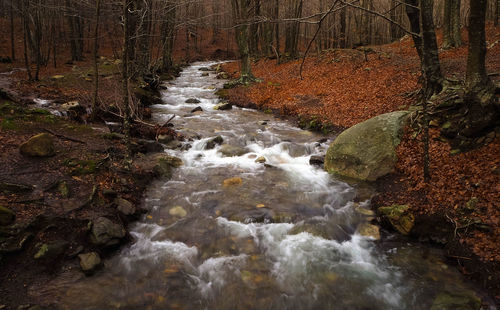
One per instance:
[(279, 235)]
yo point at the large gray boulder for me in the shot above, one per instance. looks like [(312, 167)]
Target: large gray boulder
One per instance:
[(367, 151)]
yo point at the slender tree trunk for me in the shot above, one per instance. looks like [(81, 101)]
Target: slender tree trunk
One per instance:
[(431, 66), (343, 40), (476, 77), (413, 13), (167, 34), (26, 34), (125, 76), (277, 29), (497, 12), (12, 40), (96, 64), (451, 24), (240, 15)]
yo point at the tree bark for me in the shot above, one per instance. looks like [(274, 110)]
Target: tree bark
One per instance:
[(96, 64), (413, 14), (476, 77), (167, 34), (451, 24), (125, 73), (12, 40), (240, 15), (431, 66)]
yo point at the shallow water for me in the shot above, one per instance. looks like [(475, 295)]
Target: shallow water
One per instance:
[(285, 237)]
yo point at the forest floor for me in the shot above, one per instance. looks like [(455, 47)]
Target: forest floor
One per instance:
[(341, 88)]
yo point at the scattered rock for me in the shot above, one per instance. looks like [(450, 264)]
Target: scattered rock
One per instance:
[(57, 77), (316, 161), (213, 142), (205, 69), (471, 204), (7, 216), (177, 211), (108, 192), (231, 150), (193, 101), (365, 212), (260, 160), (147, 146), (125, 207), (236, 181), (223, 76), (41, 145), (399, 217), (106, 233), (223, 106), (369, 230), (165, 139), (197, 109), (89, 262), (262, 123), (63, 189), (49, 251), (367, 150), (460, 300), (205, 74)]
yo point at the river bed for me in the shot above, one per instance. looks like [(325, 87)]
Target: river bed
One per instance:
[(264, 229)]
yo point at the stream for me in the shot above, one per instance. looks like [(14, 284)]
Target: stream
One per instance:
[(233, 233)]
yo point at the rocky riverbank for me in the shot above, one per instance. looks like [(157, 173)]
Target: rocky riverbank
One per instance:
[(67, 195)]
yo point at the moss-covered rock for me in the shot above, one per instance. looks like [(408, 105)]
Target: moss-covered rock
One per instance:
[(41, 145), (461, 300), (106, 233), (367, 151), (89, 262), (399, 216)]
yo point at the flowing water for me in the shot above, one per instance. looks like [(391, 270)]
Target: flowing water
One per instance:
[(280, 235)]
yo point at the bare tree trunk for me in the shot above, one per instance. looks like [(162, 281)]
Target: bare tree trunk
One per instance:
[(167, 35), (497, 12), (12, 40), (451, 24), (343, 40), (476, 77), (277, 30), (96, 65), (412, 11), (240, 15), (125, 76), (431, 66), (26, 34)]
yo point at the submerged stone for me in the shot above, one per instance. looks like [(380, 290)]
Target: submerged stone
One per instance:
[(461, 300), (177, 211), (369, 230), (231, 150), (232, 182)]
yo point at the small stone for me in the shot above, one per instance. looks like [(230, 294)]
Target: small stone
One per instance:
[(205, 74), (7, 216), (193, 101), (231, 150), (236, 181), (260, 160), (365, 212), (41, 145), (260, 205), (471, 204), (89, 262), (223, 106), (51, 250), (262, 123), (108, 192), (125, 206), (177, 211), (316, 160), (57, 77), (205, 69), (106, 233), (369, 230), (400, 217), (63, 189), (197, 109), (434, 123), (213, 142)]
